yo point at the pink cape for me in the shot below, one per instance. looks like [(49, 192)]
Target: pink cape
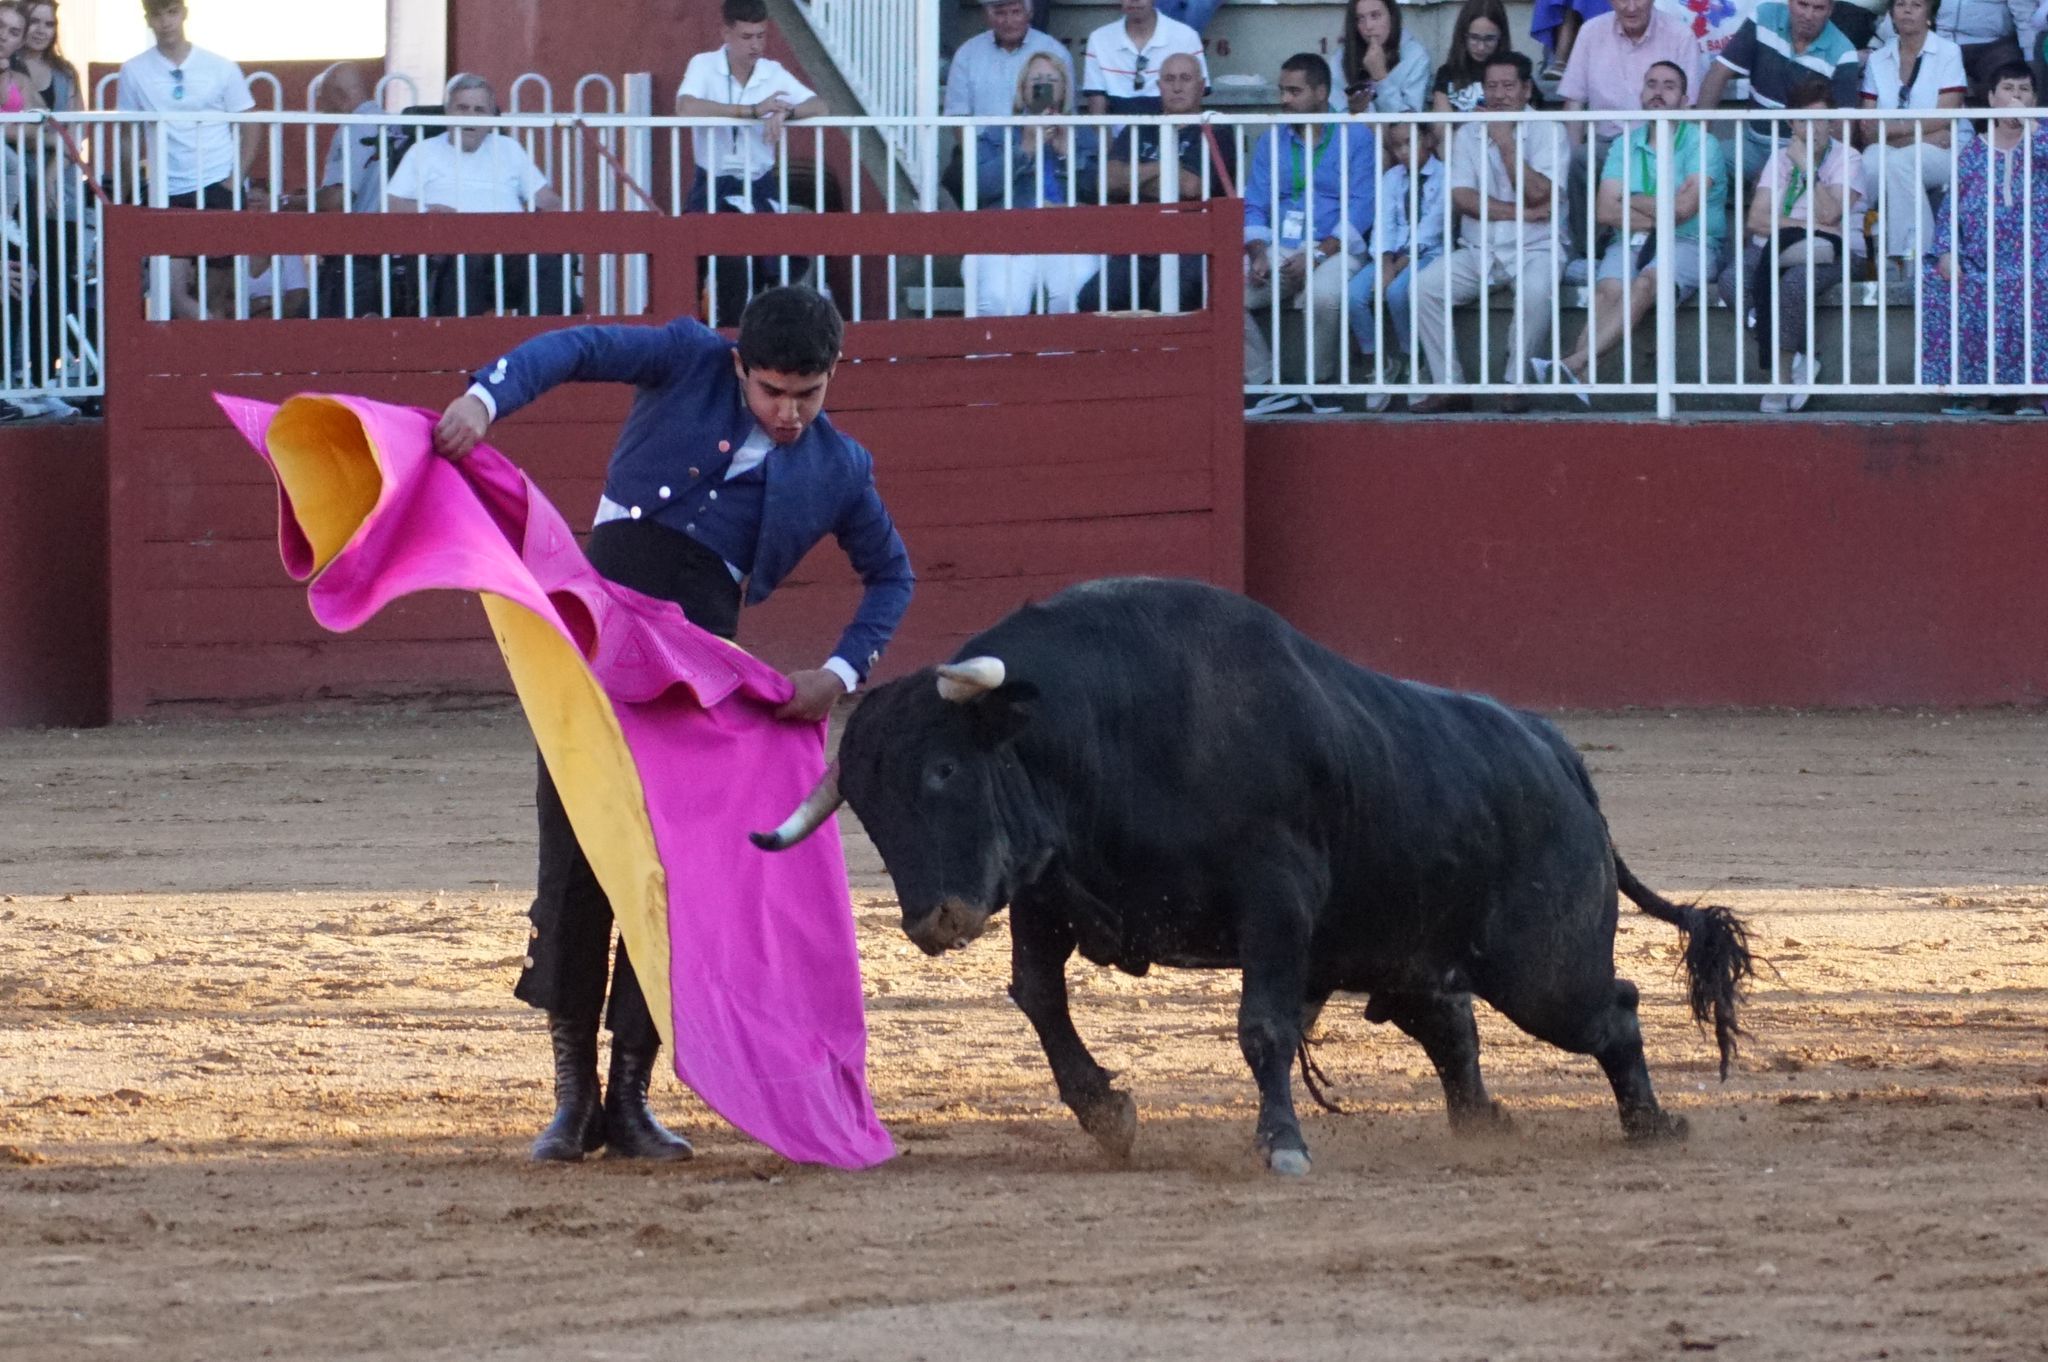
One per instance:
[(661, 739)]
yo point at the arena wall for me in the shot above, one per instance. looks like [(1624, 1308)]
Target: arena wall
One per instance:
[(1571, 563), (53, 575)]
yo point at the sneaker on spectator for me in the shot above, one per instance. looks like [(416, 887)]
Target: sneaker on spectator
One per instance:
[(1805, 373), (1544, 368), (10, 412), (1270, 404), (1378, 402), (1322, 404)]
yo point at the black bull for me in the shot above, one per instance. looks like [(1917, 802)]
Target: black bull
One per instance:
[(1158, 772)]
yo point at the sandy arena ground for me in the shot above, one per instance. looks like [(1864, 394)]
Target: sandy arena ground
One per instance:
[(264, 1093)]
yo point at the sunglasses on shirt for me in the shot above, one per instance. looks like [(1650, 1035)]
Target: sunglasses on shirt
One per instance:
[(1138, 72), (178, 89)]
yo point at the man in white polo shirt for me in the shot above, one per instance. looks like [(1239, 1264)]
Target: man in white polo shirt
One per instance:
[(1120, 69), (470, 169), (735, 80), (202, 160), (736, 165)]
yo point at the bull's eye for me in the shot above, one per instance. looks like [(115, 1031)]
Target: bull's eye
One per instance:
[(939, 772)]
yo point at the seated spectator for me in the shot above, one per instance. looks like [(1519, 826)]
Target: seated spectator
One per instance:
[(1044, 172), (1989, 32), (982, 81), (352, 177), (1512, 209), (1801, 228), (1916, 69), (1120, 66), (286, 288), (1407, 236), (1196, 14), (1628, 204), (1613, 53), (470, 169), (1554, 26), (1306, 210), (1202, 166), (1784, 42), (1976, 296), (1385, 70), (1481, 30)]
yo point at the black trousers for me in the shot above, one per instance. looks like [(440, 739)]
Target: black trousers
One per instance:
[(571, 940)]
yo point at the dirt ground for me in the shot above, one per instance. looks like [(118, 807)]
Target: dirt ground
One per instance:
[(264, 1092)]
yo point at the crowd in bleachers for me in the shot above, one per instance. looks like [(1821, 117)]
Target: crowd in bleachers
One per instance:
[(1393, 227), (1769, 216)]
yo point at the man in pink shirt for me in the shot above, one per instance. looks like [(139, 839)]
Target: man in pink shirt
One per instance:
[(1612, 55)]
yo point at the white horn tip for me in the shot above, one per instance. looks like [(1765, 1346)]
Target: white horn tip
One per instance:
[(963, 681)]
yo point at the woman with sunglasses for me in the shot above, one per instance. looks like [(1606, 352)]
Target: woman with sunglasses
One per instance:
[(1917, 69), (1480, 32)]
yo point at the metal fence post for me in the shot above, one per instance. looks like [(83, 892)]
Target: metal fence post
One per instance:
[(1667, 254)]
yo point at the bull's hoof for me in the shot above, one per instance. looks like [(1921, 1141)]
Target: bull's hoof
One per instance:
[(1288, 1163), (1658, 1127), (1113, 1122), (1491, 1119)]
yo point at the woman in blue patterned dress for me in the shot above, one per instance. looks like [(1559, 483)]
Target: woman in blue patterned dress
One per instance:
[(2001, 187)]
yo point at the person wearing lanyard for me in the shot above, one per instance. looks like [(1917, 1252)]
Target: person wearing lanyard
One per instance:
[(1304, 229), (1917, 69), (736, 165), (726, 474)]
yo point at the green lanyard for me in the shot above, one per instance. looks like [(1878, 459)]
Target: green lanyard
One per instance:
[(1794, 187), (1643, 173), (1301, 169)]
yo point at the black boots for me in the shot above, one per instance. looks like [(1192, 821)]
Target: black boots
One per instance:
[(629, 1127), (578, 1127), (622, 1122)]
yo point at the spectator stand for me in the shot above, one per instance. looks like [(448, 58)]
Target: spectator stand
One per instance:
[(1000, 484)]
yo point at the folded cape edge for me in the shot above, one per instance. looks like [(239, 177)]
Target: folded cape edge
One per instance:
[(335, 478)]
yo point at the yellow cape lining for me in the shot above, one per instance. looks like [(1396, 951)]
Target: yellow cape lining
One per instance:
[(334, 475)]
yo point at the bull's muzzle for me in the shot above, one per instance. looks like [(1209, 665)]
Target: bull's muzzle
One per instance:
[(809, 816), (948, 927)]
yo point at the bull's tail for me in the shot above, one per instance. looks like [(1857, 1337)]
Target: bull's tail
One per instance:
[(1717, 958)]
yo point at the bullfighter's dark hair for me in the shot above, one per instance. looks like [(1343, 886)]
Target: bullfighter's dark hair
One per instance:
[(1525, 70), (791, 330), (744, 12), (1309, 64)]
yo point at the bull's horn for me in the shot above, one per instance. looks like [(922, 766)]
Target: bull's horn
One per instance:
[(969, 680), (816, 808)]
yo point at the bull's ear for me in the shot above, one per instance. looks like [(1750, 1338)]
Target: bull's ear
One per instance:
[(1003, 713)]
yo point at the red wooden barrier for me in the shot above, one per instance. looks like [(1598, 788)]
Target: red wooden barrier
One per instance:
[(1017, 454), (1593, 564)]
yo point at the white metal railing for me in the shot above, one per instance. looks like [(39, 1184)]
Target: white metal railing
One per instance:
[(1442, 336), (887, 51)]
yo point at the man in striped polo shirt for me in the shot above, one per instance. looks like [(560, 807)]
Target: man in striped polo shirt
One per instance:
[(1782, 42)]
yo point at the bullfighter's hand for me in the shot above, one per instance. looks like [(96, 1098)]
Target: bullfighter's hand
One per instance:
[(816, 690), (461, 426)]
